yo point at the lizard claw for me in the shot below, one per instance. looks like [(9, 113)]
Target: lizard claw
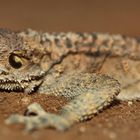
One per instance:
[(36, 109), (41, 120)]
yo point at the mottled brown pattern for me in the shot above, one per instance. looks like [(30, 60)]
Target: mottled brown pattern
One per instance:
[(78, 66)]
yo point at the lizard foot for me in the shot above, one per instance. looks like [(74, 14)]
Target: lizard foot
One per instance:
[(41, 119)]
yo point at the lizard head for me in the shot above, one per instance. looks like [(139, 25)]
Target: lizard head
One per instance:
[(20, 69)]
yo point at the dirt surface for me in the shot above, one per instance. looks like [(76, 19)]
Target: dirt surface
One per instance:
[(120, 16), (118, 121)]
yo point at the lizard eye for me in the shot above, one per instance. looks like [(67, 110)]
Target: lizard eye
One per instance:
[(15, 61)]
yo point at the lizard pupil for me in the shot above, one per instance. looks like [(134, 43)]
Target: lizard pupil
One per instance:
[(15, 61)]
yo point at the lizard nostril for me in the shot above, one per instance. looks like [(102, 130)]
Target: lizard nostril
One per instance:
[(3, 71)]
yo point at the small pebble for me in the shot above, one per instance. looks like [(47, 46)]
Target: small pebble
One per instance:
[(112, 135), (82, 129), (130, 103), (25, 100), (2, 99)]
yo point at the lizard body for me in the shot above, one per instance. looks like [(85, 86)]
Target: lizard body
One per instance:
[(78, 66)]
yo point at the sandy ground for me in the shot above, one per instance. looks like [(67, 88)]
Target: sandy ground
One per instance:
[(120, 16), (118, 121)]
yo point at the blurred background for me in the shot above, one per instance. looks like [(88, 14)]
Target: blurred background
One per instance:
[(113, 16)]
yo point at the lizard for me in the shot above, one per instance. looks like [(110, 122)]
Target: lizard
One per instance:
[(91, 70)]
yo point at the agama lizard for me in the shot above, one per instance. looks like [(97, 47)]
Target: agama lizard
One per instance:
[(86, 68)]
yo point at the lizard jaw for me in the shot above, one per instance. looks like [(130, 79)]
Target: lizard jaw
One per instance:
[(27, 84), (27, 87), (10, 86)]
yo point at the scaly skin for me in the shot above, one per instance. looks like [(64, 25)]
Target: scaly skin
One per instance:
[(74, 65)]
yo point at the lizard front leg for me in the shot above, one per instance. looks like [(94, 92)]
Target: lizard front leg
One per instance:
[(88, 93)]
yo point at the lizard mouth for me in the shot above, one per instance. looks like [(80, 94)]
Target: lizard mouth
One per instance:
[(10, 86), (27, 84)]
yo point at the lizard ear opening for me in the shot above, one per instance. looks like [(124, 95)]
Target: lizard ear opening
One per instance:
[(15, 61)]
